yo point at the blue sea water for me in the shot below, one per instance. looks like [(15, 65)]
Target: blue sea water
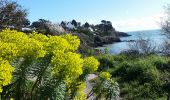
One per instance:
[(155, 36)]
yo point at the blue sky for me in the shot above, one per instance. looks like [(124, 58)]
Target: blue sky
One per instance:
[(126, 15)]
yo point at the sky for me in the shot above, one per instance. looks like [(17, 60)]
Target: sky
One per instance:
[(125, 15)]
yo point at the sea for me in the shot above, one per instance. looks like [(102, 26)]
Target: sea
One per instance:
[(156, 38)]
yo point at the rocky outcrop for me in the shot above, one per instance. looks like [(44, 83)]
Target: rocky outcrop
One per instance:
[(122, 34), (95, 35), (100, 41)]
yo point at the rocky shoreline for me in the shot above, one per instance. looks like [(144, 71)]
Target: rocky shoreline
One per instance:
[(122, 34), (110, 39)]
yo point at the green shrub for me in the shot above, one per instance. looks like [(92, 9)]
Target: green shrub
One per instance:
[(106, 62)]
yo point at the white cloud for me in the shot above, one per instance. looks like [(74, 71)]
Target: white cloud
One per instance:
[(144, 23)]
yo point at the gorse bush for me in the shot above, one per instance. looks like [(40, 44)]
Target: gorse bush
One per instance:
[(39, 67)]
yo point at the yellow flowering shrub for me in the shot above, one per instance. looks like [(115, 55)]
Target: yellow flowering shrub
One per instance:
[(80, 95), (39, 37), (74, 41), (5, 73), (105, 75), (90, 64), (8, 50), (12, 36), (27, 47), (57, 43), (66, 64), (32, 48)]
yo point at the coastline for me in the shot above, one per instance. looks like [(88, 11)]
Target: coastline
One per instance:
[(111, 39)]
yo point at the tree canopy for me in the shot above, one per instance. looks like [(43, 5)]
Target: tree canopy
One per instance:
[(12, 14)]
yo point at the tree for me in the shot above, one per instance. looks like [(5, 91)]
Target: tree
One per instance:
[(41, 26), (86, 25), (47, 27), (103, 22), (12, 14), (166, 29), (55, 29), (74, 23), (143, 46), (63, 24), (105, 28), (166, 22), (46, 67), (39, 23)]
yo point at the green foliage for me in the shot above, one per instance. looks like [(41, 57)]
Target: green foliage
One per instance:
[(41, 26), (162, 63), (139, 77), (74, 23), (105, 87), (106, 62), (86, 25), (108, 89), (80, 95)]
